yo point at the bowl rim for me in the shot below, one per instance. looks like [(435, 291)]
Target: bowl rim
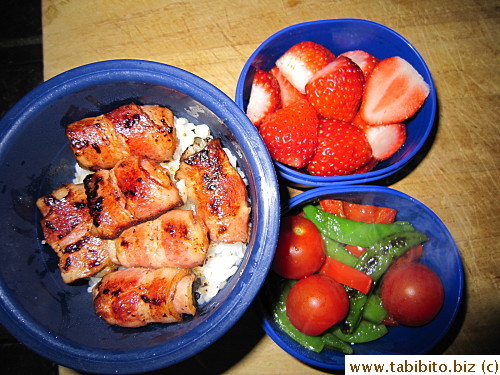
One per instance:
[(299, 199), (375, 174), (24, 327)]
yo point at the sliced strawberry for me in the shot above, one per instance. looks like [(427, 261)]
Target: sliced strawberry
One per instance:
[(301, 61), (394, 92), (385, 140), (364, 60), (336, 90), (291, 134), (342, 148), (359, 122), (289, 94), (264, 97)]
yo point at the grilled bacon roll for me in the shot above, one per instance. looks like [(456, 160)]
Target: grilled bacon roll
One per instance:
[(135, 297), (100, 142), (66, 226), (135, 190), (217, 190), (176, 239)]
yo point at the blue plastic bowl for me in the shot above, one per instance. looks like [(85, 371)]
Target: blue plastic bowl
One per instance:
[(58, 320), (341, 35), (440, 253)]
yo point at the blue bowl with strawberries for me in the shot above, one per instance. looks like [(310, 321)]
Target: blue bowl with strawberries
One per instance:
[(343, 101), (385, 269)]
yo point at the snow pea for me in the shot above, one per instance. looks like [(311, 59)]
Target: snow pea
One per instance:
[(374, 310), (333, 342), (365, 332), (375, 261), (314, 343), (377, 258), (336, 251), (349, 231)]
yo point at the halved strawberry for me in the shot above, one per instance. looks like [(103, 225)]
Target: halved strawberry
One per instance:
[(372, 163), (336, 90), (363, 59), (291, 134), (264, 97), (301, 61), (342, 148), (394, 92), (385, 140), (288, 93)]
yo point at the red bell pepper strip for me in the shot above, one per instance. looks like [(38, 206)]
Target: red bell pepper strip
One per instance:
[(359, 212), (412, 255), (333, 206), (355, 250), (346, 275)]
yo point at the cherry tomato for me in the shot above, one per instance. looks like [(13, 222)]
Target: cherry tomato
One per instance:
[(315, 303), (412, 293), (300, 250)]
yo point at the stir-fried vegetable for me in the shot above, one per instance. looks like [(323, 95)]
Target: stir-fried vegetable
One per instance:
[(349, 231), (314, 343), (374, 245), (375, 261)]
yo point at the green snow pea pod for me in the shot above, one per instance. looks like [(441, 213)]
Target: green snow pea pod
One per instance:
[(375, 261), (374, 310), (314, 343), (378, 257), (365, 332), (336, 251), (333, 342), (351, 232)]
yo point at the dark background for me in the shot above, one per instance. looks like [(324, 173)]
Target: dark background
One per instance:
[(21, 69)]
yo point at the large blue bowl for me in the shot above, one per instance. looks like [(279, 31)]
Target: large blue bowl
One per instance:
[(341, 35), (440, 253), (57, 320)]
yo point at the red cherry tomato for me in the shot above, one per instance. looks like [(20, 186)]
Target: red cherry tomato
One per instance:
[(412, 293), (300, 250), (315, 303)]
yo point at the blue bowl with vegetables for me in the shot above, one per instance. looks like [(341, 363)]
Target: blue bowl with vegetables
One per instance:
[(378, 245), (340, 36)]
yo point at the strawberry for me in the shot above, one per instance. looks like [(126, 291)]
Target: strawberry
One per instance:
[(372, 163), (336, 90), (301, 61), (359, 122), (342, 149), (394, 92), (288, 92), (385, 140), (363, 59), (264, 97), (291, 134)]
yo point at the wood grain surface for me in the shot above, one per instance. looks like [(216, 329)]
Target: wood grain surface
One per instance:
[(458, 176)]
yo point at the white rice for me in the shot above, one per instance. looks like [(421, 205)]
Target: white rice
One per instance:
[(222, 259)]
